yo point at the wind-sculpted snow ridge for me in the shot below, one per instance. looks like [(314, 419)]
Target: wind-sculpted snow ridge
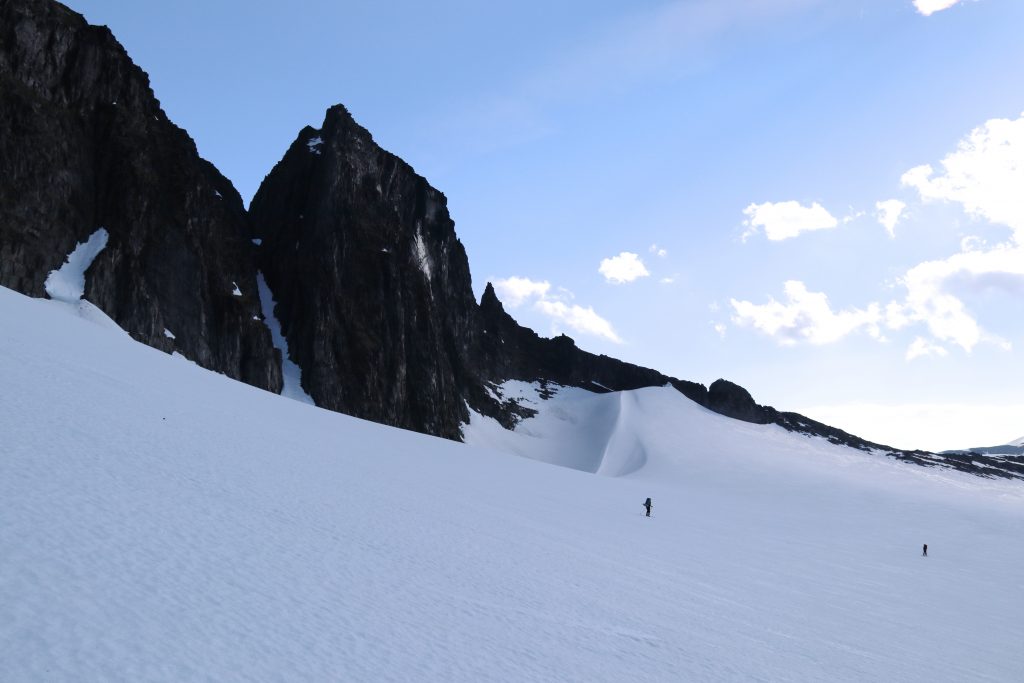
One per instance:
[(160, 522), (618, 433)]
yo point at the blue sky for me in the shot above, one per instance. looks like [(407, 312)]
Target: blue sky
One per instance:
[(693, 186)]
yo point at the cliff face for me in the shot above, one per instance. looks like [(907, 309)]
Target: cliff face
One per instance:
[(374, 294), (84, 144), (372, 286)]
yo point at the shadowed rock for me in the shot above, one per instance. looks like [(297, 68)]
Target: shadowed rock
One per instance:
[(84, 144)]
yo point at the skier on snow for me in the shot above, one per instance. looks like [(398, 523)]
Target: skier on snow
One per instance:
[(647, 504), (925, 551)]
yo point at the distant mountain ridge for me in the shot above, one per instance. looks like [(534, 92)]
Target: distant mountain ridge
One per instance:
[(1015, 447), (373, 287)]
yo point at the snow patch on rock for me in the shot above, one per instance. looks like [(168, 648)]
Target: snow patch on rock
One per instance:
[(291, 373), (422, 255), (67, 283)]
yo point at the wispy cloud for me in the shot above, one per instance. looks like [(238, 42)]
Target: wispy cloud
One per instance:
[(922, 347), (579, 318), (614, 58), (555, 304), (805, 317)]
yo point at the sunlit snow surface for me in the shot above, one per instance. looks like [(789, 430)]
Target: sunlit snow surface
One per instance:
[(159, 522)]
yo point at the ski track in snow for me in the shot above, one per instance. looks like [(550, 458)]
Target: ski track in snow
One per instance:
[(159, 522)]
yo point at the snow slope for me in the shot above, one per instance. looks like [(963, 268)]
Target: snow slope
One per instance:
[(162, 523)]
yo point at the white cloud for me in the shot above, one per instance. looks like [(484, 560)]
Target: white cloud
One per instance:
[(667, 280), (579, 318), (783, 220), (922, 347), (935, 292), (889, 213), (719, 328), (805, 317), (930, 7), (660, 252), (985, 175), (852, 216), (625, 267), (516, 291)]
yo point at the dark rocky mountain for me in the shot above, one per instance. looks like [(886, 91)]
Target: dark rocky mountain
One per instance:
[(372, 285), (84, 144)]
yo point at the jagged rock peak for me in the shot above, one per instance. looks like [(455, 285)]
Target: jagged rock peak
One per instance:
[(372, 285)]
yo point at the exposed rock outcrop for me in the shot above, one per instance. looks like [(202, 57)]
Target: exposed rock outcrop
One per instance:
[(734, 401), (372, 285), (511, 351), (84, 144)]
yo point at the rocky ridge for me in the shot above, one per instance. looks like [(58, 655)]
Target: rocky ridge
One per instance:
[(372, 285), (85, 145)]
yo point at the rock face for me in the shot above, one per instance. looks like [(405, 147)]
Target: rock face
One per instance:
[(84, 144), (372, 286), (734, 401), (374, 294)]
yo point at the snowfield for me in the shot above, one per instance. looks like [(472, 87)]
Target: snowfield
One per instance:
[(159, 522)]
